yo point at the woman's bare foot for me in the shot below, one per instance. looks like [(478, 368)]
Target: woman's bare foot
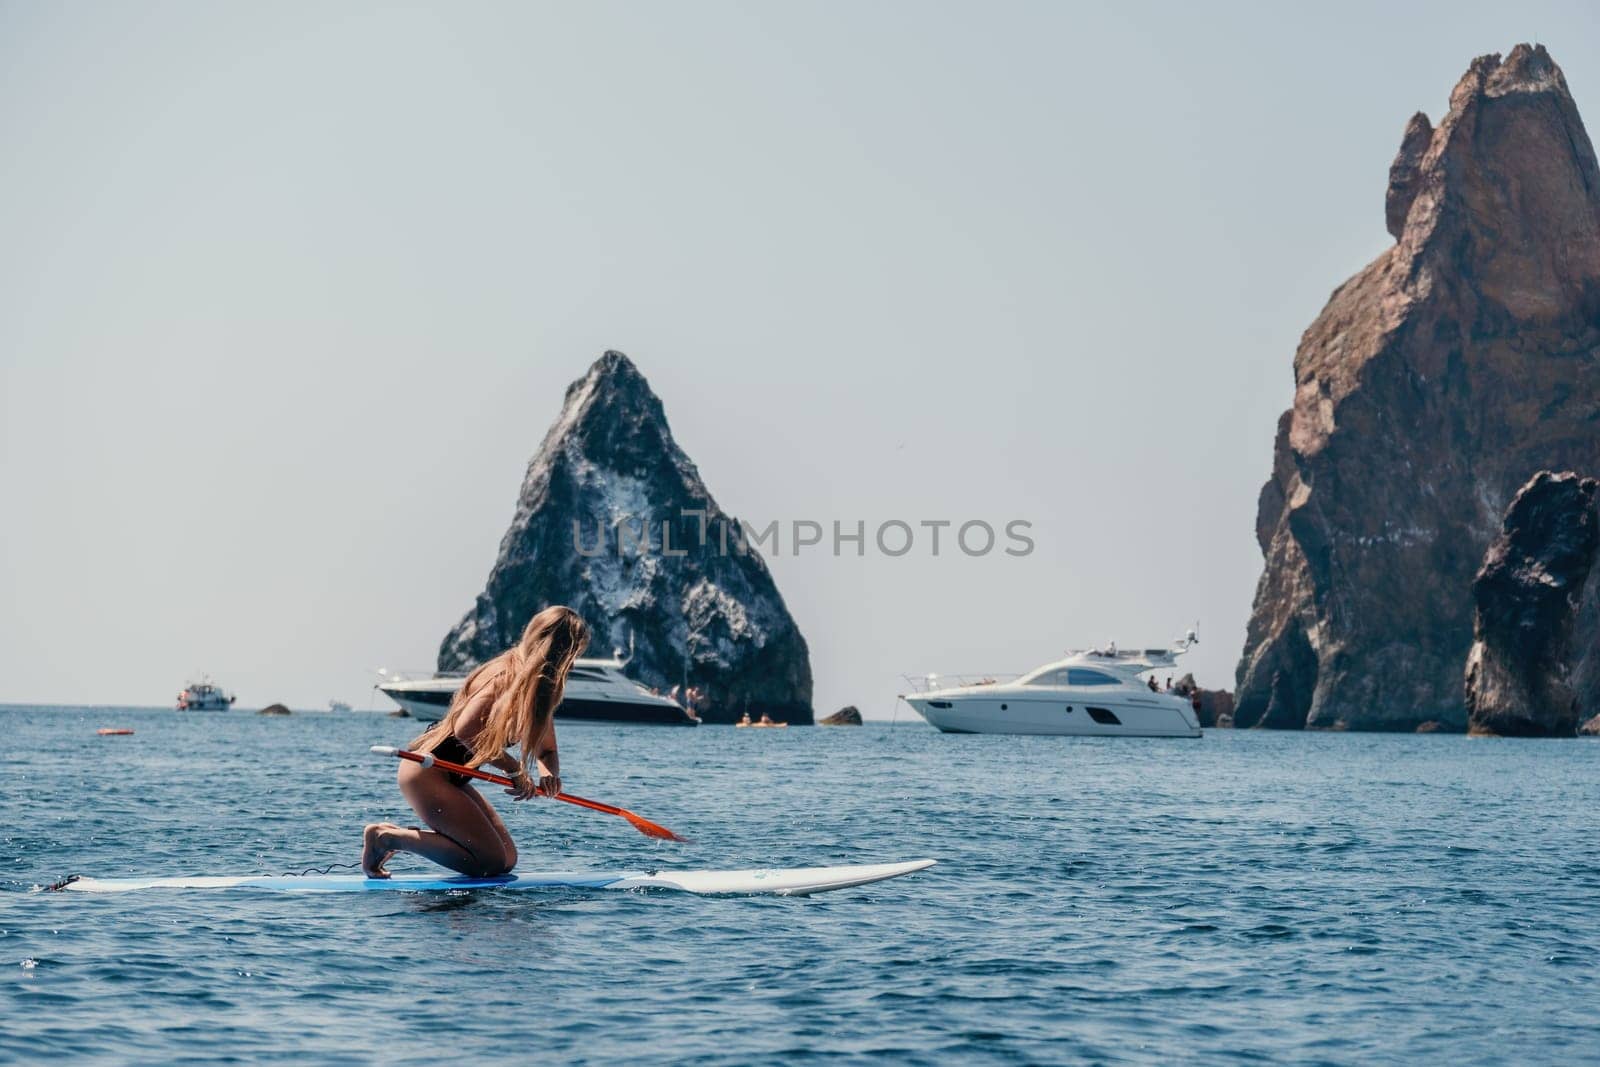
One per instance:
[(374, 852)]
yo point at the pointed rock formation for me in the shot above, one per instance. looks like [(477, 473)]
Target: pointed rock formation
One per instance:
[(1527, 594), (614, 521), (1434, 383)]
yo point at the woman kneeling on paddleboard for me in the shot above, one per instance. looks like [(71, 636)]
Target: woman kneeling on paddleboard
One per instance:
[(508, 701)]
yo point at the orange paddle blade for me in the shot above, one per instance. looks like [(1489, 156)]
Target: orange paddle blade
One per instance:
[(640, 823)]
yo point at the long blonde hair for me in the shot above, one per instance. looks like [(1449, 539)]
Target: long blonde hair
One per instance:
[(529, 678)]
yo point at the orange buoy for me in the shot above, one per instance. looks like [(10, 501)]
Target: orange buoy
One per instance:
[(106, 731)]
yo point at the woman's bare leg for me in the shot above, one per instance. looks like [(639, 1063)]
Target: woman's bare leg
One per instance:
[(374, 853), (382, 840), (499, 826), (462, 837)]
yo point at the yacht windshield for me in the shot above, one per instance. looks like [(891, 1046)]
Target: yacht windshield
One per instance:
[(1068, 676)]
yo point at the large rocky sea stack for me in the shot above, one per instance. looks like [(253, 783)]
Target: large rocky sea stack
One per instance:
[(588, 532), (1433, 385), (1527, 594)]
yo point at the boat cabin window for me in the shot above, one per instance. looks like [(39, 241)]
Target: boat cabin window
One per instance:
[(1047, 678)]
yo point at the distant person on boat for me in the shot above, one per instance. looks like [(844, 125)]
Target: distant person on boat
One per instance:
[(766, 720), (744, 720), (511, 700)]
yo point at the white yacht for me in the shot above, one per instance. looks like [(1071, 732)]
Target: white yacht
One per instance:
[(204, 695), (597, 691), (1092, 693)]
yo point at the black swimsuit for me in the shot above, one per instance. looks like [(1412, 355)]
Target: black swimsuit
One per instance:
[(455, 750)]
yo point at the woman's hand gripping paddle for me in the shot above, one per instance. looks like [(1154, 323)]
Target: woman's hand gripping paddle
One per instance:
[(643, 825)]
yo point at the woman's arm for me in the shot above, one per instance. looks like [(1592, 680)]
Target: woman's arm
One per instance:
[(469, 724), (549, 763), (526, 785)]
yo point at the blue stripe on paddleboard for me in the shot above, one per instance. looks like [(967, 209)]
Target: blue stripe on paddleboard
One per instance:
[(355, 883), (352, 883)]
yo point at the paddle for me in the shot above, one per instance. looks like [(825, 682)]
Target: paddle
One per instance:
[(643, 825)]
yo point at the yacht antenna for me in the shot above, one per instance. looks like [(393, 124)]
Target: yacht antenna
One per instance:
[(1189, 639)]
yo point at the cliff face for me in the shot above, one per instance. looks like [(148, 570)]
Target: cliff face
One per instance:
[(1527, 594), (588, 532), (1435, 382)]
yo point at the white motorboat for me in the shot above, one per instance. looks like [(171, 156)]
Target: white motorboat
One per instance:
[(1091, 693), (597, 691), (204, 695)]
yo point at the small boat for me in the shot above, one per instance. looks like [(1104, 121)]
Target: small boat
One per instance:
[(1091, 693), (204, 695), (761, 725), (597, 691), (338, 707), (106, 731)]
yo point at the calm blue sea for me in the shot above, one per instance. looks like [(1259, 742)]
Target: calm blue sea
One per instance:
[(1245, 897)]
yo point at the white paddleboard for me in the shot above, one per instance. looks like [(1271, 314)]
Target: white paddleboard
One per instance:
[(790, 882)]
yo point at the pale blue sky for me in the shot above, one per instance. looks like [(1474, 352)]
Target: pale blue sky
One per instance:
[(289, 294)]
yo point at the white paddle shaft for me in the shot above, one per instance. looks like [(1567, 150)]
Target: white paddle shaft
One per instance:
[(390, 750)]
